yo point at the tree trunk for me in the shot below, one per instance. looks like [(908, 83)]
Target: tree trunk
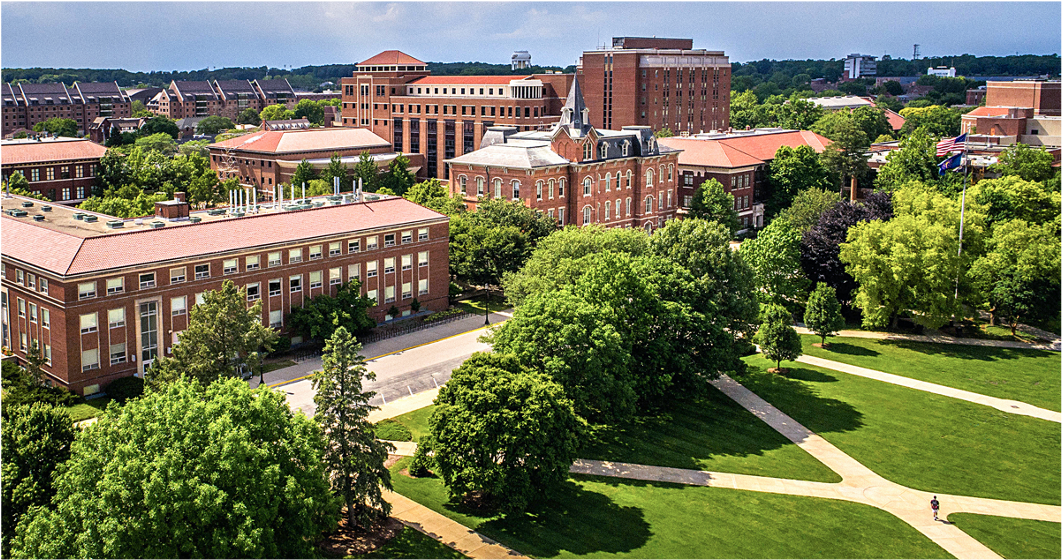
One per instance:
[(895, 321)]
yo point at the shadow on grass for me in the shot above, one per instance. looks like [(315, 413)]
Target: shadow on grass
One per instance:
[(574, 521), (850, 349), (959, 351), (791, 393)]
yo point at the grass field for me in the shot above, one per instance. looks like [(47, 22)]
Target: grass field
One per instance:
[(91, 408), (416, 421), (1029, 376), (596, 517), (410, 543), (919, 439), (1012, 538)]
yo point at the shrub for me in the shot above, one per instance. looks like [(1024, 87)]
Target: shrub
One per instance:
[(421, 463), (283, 345), (393, 430), (125, 388)]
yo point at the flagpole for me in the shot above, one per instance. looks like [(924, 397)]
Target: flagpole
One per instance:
[(962, 213)]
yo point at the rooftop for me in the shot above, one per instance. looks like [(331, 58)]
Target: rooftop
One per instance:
[(391, 57), (460, 80), (17, 152), (742, 148), (311, 140), (841, 102)]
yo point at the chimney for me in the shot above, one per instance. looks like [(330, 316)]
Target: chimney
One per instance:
[(179, 196)]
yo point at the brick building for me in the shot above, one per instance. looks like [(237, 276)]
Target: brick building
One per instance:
[(739, 161), (103, 297), (62, 169), (575, 173), (659, 83), (28, 104), (1025, 111), (225, 98), (442, 117)]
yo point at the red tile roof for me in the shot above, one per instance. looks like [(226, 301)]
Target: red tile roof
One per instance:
[(17, 153), (764, 146), (462, 80), (66, 254), (895, 120), (391, 57), (989, 112), (740, 151), (314, 139)]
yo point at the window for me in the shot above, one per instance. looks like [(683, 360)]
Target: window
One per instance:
[(230, 266), (407, 236), (538, 190), (116, 318), (649, 178), (608, 182), (335, 276), (588, 151), (46, 317), (20, 277), (274, 258), (370, 269), (669, 198), (603, 151), (587, 184), (422, 258), (354, 246), (389, 240), (422, 286), (200, 298), (33, 312), (370, 243), (88, 323), (586, 215), (479, 186), (422, 234), (117, 353), (608, 206), (254, 292), (202, 271), (295, 255), (147, 279), (626, 147), (628, 206), (115, 285), (334, 249), (687, 201), (274, 287), (276, 319), (176, 275), (315, 279), (48, 354), (371, 294), (90, 359), (31, 280), (560, 216), (670, 172), (463, 180), (389, 265), (178, 306), (389, 294), (551, 189), (497, 188), (22, 341), (251, 263), (85, 290), (44, 285), (648, 204), (295, 282), (407, 290), (619, 210), (630, 176), (315, 252)]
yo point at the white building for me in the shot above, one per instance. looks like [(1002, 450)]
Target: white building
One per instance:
[(942, 71), (521, 60), (859, 65)]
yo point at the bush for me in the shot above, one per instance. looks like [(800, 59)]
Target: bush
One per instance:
[(421, 464), (125, 388), (283, 345), (393, 430)]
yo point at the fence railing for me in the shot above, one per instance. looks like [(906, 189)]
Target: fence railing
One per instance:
[(384, 332)]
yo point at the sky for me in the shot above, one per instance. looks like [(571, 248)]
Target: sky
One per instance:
[(145, 36)]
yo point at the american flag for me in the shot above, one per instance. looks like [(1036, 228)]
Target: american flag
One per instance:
[(948, 145)]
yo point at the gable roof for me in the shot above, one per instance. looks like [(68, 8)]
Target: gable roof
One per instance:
[(741, 151), (312, 140), (708, 153), (989, 112), (191, 88), (21, 152), (389, 58)]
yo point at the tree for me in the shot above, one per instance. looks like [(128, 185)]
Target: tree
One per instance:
[(1018, 275), (138, 111), (845, 157), (872, 121), (398, 178), (938, 121), (162, 143), (1012, 198), (915, 161), (792, 171), (222, 333), (335, 169), (277, 112), (432, 194), (353, 457), (746, 111), (774, 256), (501, 433), (309, 110), (321, 316), (798, 113), (142, 205), (214, 125), (57, 126), (480, 254), (823, 313), (712, 202), (159, 124), (36, 441), (664, 132), (1031, 164), (777, 338), (366, 173), (198, 147), (304, 173), (808, 205), (892, 87), (820, 245), (249, 116), (189, 472)]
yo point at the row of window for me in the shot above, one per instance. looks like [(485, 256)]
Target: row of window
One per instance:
[(45, 314), (27, 279), (453, 91), (466, 110), (619, 207), (34, 175)]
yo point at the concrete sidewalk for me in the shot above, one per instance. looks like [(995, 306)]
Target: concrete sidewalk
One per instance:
[(446, 530)]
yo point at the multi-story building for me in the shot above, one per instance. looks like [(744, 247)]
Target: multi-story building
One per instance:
[(859, 66), (575, 173), (738, 160), (103, 298), (225, 98), (659, 83), (442, 117), (28, 104), (62, 169), (1025, 111)]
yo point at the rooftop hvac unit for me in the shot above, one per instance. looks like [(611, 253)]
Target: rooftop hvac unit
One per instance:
[(195, 219), (157, 224), (90, 219), (27, 204), (38, 218), (79, 216), (46, 208), (114, 224), (17, 213)]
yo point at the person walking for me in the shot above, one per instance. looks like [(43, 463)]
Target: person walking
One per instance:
[(935, 505)]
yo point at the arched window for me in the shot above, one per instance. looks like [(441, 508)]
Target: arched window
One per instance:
[(587, 183), (586, 215), (551, 184), (630, 176), (479, 186), (649, 178), (588, 151), (626, 147), (464, 185), (619, 210), (608, 182), (497, 188), (649, 227), (670, 171), (538, 190), (628, 206), (649, 204), (663, 173), (603, 150), (516, 189), (560, 187)]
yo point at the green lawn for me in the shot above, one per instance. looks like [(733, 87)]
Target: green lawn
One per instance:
[(711, 433), (91, 408), (416, 421), (597, 517), (1012, 538), (391, 430), (266, 368), (477, 305), (919, 439), (410, 543), (1029, 376)]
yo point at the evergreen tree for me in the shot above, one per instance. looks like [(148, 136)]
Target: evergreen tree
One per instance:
[(823, 313), (777, 338), (367, 172), (336, 169), (353, 455), (304, 173)]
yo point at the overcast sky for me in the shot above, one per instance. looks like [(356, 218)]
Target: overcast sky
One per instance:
[(143, 36)]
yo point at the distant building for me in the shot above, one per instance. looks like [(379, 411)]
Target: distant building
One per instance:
[(225, 98), (62, 169), (27, 104), (656, 82), (941, 71), (976, 96), (521, 60), (290, 124), (859, 66), (102, 128), (1024, 111), (841, 102)]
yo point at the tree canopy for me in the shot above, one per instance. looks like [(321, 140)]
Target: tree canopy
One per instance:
[(398, 178), (214, 124), (58, 126), (277, 112), (807, 206), (1018, 274), (774, 256), (1030, 164), (823, 313), (432, 194), (776, 336), (711, 202), (310, 110), (249, 116), (321, 316), (792, 171)]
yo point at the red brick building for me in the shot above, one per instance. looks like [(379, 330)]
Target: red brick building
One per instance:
[(28, 104), (575, 173), (62, 169), (442, 117), (1025, 111), (225, 98), (659, 83), (103, 298)]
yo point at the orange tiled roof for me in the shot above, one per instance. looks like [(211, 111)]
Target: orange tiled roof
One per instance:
[(461, 80), (310, 140), (17, 153), (65, 254), (764, 146), (895, 119), (391, 57), (708, 153), (989, 112)]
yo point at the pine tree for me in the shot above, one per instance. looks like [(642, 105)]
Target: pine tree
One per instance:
[(367, 171), (353, 456), (823, 313), (777, 338)]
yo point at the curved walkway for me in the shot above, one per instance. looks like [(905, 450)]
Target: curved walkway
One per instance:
[(445, 530), (1054, 345)]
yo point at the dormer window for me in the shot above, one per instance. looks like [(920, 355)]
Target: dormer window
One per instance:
[(588, 151), (603, 151), (626, 148)]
